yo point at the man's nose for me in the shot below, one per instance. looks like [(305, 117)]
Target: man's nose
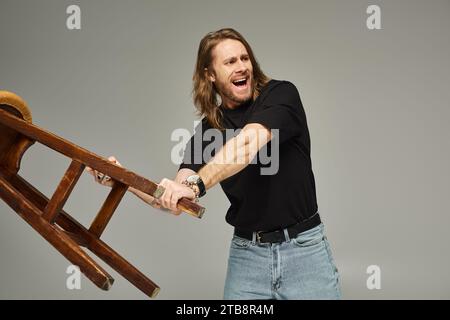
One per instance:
[(241, 67)]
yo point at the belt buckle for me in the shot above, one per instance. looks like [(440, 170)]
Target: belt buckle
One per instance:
[(258, 236)]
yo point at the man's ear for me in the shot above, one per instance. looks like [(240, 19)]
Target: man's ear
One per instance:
[(210, 75)]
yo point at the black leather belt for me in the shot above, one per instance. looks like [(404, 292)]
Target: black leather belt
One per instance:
[(277, 236)]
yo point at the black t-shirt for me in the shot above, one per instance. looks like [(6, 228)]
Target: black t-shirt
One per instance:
[(265, 202)]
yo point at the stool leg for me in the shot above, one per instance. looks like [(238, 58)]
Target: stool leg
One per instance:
[(97, 246), (111, 257), (54, 235)]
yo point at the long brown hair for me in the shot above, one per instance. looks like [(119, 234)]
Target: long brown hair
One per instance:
[(204, 92)]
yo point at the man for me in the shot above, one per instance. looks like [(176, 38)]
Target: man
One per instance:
[(279, 250)]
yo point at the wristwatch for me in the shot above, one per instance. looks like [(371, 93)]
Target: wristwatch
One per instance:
[(197, 181)]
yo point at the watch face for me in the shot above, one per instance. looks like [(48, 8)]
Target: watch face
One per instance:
[(193, 179)]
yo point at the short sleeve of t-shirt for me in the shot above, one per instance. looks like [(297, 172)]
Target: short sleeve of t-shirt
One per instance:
[(193, 153), (281, 109)]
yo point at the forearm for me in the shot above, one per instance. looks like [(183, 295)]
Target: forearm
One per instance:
[(214, 173), (235, 155)]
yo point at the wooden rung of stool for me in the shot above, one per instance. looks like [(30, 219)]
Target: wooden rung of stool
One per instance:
[(63, 191), (47, 217), (109, 206)]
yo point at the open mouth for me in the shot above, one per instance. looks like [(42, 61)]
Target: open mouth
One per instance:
[(241, 83)]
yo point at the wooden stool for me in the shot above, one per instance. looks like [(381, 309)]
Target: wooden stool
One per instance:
[(67, 235)]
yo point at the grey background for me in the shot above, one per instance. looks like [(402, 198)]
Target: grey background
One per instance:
[(377, 104)]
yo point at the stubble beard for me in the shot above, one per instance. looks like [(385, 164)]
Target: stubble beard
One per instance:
[(226, 91)]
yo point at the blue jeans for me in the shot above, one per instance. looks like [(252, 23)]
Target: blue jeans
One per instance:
[(300, 268)]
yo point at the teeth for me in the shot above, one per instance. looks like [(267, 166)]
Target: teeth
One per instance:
[(240, 80)]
